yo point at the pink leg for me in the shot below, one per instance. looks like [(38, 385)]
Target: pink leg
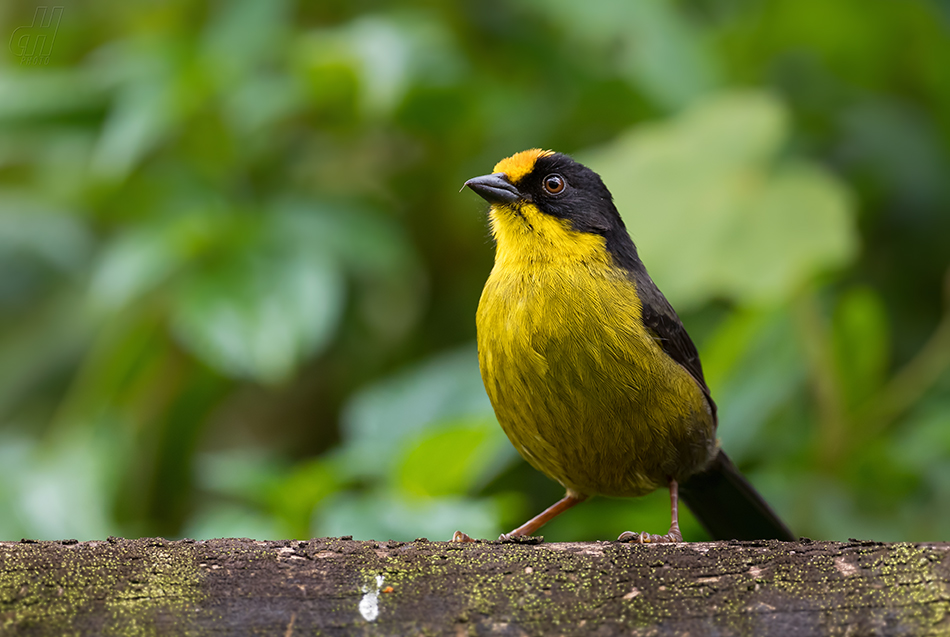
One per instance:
[(673, 536), (535, 523)]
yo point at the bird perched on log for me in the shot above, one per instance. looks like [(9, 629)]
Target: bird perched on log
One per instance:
[(589, 369)]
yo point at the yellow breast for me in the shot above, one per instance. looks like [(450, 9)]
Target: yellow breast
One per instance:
[(580, 387)]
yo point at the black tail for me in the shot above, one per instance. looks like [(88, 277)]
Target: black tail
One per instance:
[(728, 507)]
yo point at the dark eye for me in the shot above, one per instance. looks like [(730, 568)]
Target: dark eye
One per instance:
[(554, 184)]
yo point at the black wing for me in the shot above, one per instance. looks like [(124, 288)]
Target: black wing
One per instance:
[(667, 329)]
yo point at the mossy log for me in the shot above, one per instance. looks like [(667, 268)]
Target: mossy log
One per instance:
[(332, 586)]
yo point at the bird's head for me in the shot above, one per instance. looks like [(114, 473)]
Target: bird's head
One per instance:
[(546, 205)]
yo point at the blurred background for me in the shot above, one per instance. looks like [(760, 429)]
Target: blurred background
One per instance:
[(238, 281)]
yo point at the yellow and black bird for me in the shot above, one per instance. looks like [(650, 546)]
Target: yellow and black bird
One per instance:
[(589, 369)]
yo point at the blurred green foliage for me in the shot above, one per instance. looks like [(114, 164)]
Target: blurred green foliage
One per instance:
[(239, 281)]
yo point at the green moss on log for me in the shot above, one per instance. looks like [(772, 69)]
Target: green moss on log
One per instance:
[(134, 589)]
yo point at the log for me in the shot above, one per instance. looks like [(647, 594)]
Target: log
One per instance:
[(337, 586)]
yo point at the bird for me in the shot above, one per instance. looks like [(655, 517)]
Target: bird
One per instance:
[(589, 370)]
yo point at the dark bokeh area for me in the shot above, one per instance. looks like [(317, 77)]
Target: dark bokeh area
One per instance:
[(239, 279)]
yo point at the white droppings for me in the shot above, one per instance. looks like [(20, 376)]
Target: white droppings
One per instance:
[(844, 568), (755, 572), (369, 605), (528, 570)]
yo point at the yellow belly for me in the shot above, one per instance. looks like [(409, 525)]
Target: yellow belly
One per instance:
[(581, 389)]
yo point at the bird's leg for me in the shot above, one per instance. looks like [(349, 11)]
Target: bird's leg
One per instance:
[(673, 536), (535, 523)]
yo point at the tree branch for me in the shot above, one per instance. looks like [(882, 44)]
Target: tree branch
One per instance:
[(339, 586)]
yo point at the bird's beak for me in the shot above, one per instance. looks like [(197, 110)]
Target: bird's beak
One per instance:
[(494, 188)]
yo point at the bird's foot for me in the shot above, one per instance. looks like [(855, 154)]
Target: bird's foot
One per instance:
[(462, 537), (672, 537)]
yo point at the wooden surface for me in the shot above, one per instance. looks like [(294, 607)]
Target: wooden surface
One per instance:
[(333, 586)]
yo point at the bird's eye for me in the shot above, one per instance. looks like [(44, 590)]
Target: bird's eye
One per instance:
[(554, 184)]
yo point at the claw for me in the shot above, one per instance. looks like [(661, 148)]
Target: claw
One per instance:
[(458, 536)]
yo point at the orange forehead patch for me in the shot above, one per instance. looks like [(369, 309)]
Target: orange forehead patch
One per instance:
[(520, 164)]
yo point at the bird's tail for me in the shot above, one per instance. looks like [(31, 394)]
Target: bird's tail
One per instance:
[(728, 507)]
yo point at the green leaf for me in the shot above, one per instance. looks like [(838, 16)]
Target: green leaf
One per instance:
[(243, 35), (385, 54), (145, 256), (716, 211), (389, 285), (925, 439), (651, 42), (30, 227), (450, 459), (383, 416), (754, 366), (294, 497), (142, 115), (260, 316), (30, 95), (58, 490), (131, 265), (861, 343)]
